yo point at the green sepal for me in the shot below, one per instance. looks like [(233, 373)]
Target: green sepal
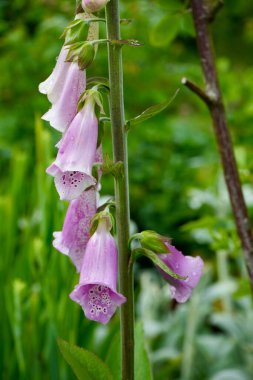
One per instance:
[(149, 112), (137, 252), (101, 130), (153, 241), (105, 215), (76, 31), (97, 97), (108, 204), (97, 81), (81, 52), (114, 168)]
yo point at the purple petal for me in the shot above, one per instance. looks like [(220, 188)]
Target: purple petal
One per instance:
[(64, 108), (73, 238), (184, 266), (54, 84), (96, 291), (98, 301), (77, 148), (70, 185)]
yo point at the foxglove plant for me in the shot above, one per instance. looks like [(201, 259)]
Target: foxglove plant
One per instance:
[(86, 235)]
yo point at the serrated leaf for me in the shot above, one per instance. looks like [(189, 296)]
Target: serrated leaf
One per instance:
[(150, 112), (85, 364), (142, 363)]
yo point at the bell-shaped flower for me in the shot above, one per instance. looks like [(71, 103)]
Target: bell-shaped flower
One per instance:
[(97, 288), (65, 94), (93, 5), (72, 168), (53, 85), (73, 238), (185, 266)]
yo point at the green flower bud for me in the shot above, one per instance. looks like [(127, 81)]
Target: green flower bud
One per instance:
[(83, 53), (153, 241)]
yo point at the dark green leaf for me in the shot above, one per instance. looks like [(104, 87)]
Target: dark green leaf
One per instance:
[(85, 364)]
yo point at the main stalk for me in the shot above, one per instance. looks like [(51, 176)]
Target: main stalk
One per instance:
[(119, 139)]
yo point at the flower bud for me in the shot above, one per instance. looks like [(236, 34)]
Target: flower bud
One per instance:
[(93, 5), (153, 241), (83, 53)]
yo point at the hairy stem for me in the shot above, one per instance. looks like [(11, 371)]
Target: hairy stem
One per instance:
[(119, 139), (200, 13)]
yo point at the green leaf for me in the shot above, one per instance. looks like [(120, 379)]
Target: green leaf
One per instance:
[(142, 363), (156, 261), (113, 357), (150, 112), (165, 31), (85, 364)]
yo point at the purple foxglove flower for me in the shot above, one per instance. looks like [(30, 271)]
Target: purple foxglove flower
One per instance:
[(96, 291), (77, 153), (53, 85), (65, 95), (73, 238), (184, 266), (93, 5)]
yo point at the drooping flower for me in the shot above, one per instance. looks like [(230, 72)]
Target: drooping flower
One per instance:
[(186, 266), (96, 291), (65, 95), (72, 168), (53, 85), (93, 5), (73, 238)]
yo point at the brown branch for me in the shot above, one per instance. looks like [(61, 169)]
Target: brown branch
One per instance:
[(217, 111), (197, 90)]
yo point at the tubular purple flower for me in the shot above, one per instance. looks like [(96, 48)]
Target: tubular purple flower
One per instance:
[(93, 5), (72, 168), (73, 238), (53, 85), (65, 97), (96, 291), (182, 265)]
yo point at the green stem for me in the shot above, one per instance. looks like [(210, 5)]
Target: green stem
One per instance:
[(119, 139)]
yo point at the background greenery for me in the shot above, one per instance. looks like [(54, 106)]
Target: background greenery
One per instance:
[(177, 188)]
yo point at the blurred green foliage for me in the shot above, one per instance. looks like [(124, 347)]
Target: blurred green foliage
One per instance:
[(176, 188)]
